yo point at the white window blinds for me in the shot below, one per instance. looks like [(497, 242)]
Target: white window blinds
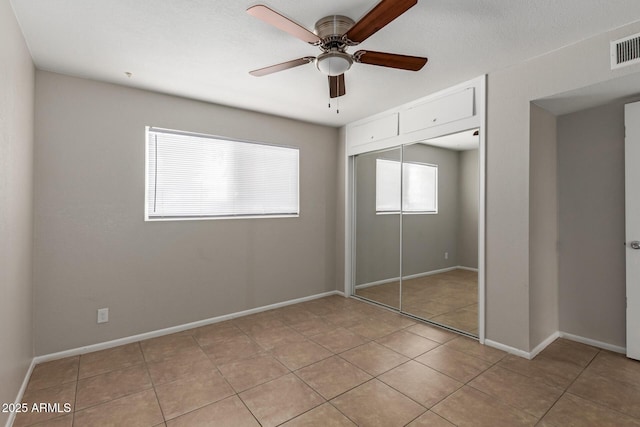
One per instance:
[(419, 188), (200, 176), (418, 192)]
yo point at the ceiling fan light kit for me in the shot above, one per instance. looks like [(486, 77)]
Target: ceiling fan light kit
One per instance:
[(333, 63), (334, 34)]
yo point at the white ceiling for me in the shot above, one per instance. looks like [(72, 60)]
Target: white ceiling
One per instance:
[(203, 49)]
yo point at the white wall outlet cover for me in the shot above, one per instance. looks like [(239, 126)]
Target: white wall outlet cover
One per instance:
[(103, 315)]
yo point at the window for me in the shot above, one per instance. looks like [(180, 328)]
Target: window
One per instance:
[(419, 187), (194, 176)]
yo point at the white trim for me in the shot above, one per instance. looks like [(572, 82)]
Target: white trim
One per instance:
[(551, 338), (508, 349), (429, 273), (482, 206), (529, 355), (593, 343), (378, 282), (23, 388), (414, 276), (174, 329), (349, 220)]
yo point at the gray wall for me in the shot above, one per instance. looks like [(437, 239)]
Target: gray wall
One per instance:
[(543, 225), (16, 206), (591, 196), (377, 245), (468, 208), (425, 237), (510, 92), (94, 250)]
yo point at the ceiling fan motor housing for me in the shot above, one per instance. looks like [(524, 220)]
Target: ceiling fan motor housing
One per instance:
[(333, 26)]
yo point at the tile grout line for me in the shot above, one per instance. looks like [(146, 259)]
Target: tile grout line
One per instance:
[(235, 393), (566, 389), (153, 386), (75, 397), (250, 411), (464, 383), (270, 353), (590, 400)]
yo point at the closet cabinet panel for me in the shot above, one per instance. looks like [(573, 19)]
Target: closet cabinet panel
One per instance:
[(447, 109), (375, 130)]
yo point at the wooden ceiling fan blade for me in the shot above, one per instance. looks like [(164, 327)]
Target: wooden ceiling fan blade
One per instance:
[(382, 14), (336, 86), (392, 60), (281, 67), (283, 23)]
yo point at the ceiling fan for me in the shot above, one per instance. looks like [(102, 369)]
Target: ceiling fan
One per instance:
[(334, 34)]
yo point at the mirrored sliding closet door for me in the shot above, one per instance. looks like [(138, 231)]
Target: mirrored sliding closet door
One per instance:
[(416, 229), (377, 236)]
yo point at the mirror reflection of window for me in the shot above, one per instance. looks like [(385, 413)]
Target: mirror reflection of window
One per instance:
[(419, 187), (388, 178)]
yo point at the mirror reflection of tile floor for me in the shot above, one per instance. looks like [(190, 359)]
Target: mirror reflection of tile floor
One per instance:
[(333, 362), (449, 298)]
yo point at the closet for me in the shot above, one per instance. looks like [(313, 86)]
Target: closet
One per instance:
[(415, 202)]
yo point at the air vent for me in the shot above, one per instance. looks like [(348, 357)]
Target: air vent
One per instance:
[(625, 51)]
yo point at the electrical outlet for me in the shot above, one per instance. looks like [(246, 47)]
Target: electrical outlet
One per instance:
[(103, 315), (446, 255)]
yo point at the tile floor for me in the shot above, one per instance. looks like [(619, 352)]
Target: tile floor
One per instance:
[(334, 362), (449, 298)]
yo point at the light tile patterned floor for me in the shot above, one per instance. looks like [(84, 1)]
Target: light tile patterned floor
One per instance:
[(334, 362), (449, 298)]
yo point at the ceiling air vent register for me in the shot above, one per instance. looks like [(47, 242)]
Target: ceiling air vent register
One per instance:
[(625, 51)]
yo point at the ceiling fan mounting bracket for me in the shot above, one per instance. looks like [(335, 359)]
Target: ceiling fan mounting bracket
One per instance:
[(358, 55), (331, 30), (333, 25)]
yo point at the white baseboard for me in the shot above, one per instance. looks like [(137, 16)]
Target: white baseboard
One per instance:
[(508, 349), (378, 282), (551, 338), (429, 273), (522, 353), (593, 343), (173, 329), (414, 276), (23, 388)]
